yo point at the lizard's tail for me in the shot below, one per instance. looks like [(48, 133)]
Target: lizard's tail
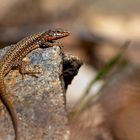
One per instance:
[(8, 106)]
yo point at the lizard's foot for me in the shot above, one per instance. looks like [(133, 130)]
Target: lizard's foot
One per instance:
[(24, 69), (50, 44)]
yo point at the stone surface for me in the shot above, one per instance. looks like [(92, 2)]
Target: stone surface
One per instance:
[(40, 101)]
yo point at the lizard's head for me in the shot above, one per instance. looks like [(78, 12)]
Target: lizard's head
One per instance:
[(55, 34)]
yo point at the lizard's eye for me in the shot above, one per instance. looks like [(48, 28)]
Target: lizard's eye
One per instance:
[(58, 31)]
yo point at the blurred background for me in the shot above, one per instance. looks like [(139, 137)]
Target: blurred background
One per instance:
[(98, 30)]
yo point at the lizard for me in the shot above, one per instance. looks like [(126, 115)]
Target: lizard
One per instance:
[(14, 59)]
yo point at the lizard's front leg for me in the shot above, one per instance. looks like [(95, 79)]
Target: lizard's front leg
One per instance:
[(43, 44), (25, 69), (24, 66)]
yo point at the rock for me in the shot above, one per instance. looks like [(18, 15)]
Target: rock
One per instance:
[(39, 101)]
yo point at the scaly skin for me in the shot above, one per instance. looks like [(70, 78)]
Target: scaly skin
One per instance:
[(14, 57)]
